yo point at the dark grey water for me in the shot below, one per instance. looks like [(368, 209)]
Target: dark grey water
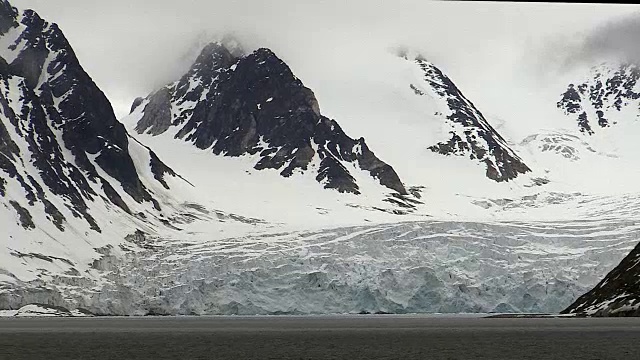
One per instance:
[(326, 337)]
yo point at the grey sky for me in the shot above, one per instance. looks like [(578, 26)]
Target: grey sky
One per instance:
[(130, 47), (616, 38)]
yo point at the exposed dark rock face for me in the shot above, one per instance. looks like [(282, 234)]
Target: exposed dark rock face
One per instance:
[(608, 91), (8, 16), (157, 119), (23, 214), (472, 134), (618, 294), (137, 102), (253, 104), (61, 125)]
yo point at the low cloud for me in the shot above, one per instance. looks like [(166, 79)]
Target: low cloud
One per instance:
[(131, 48), (618, 39), (614, 40)]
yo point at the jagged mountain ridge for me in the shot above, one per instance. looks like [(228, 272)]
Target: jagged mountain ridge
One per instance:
[(73, 106), (253, 104), (618, 294), (471, 134)]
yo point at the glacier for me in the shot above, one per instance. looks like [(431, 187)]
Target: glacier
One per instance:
[(410, 267)]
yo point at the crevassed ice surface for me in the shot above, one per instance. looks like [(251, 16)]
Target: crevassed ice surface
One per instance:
[(436, 266)]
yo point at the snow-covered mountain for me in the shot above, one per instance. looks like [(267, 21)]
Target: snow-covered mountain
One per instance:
[(610, 94), (234, 105), (471, 134), (256, 117), (584, 140), (73, 184)]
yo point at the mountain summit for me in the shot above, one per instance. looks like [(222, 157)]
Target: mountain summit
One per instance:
[(67, 123), (236, 105), (471, 135)]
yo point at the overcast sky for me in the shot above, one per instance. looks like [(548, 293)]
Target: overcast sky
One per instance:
[(131, 47)]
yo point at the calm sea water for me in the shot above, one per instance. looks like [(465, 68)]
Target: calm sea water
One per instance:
[(319, 337)]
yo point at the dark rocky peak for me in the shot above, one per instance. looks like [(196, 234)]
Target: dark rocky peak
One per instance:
[(605, 93), (38, 41), (471, 134), (213, 59), (62, 110), (255, 105), (232, 44), (209, 68), (214, 56), (83, 113)]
